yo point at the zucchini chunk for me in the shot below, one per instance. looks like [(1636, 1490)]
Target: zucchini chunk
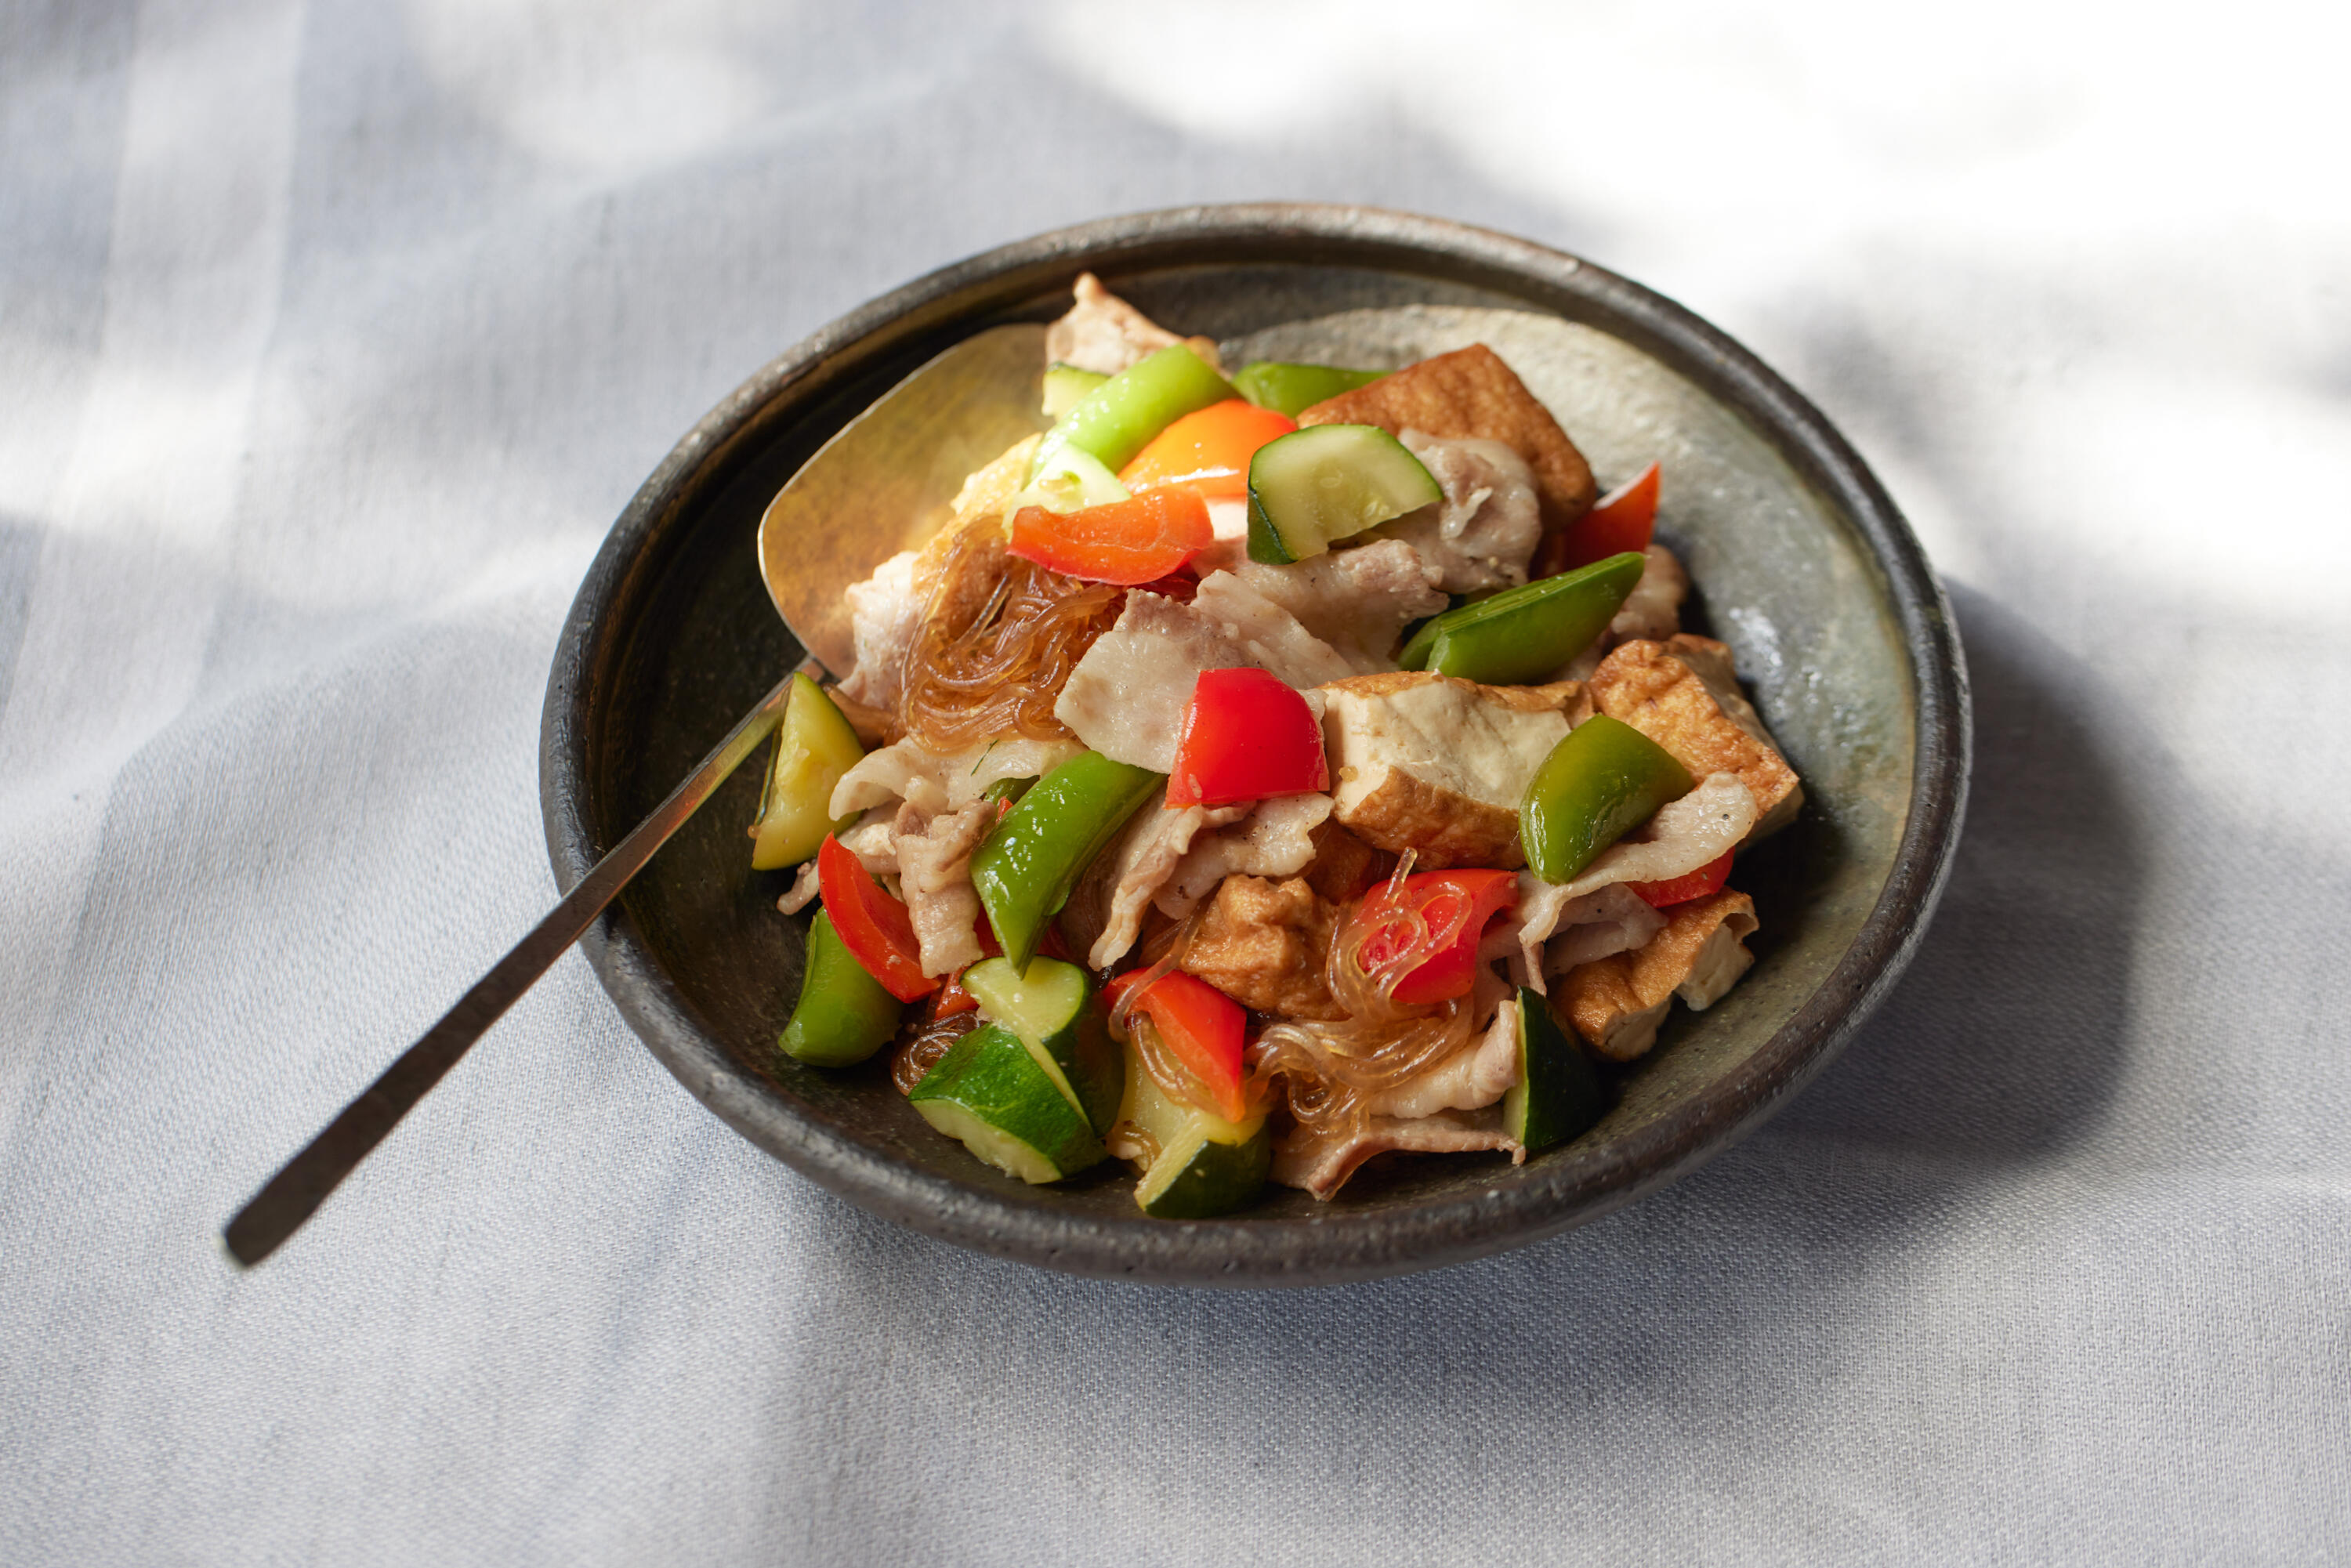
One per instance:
[(814, 747), (1330, 482), (1050, 1008), (1205, 1165), (990, 1094), (1066, 386), (1559, 1094)]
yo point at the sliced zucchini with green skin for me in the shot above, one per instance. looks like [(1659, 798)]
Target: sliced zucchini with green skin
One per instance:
[(1522, 635), (1066, 386), (1293, 389), (1205, 1165), (1559, 1094), (1329, 482), (990, 1094), (1118, 418), (814, 747), (1200, 1176), (1069, 480), (1050, 1005), (844, 1014)]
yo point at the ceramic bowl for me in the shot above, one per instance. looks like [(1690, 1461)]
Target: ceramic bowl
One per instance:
[(1802, 563)]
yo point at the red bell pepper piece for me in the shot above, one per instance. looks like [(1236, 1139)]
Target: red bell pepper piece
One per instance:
[(1202, 1025), (873, 926), (1245, 736), (953, 998), (1125, 542), (1707, 878), (1454, 907), (1209, 451), (1621, 520)]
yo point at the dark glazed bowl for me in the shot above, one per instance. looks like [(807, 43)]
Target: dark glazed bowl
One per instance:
[(1802, 564)]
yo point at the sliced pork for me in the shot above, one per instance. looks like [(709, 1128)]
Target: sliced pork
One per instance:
[(1484, 532), (1358, 601)]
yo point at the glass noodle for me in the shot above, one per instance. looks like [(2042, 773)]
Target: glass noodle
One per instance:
[(1332, 1068), (997, 640)]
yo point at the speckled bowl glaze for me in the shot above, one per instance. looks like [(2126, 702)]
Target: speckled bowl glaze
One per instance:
[(1802, 563)]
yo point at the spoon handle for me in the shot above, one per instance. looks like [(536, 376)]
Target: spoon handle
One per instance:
[(294, 1193)]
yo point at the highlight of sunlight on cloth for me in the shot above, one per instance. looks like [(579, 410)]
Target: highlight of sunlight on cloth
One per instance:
[(609, 87)]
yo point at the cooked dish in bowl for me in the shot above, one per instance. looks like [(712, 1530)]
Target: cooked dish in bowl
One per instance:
[(1259, 775)]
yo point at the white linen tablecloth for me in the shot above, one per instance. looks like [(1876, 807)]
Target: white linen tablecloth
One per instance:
[(334, 335)]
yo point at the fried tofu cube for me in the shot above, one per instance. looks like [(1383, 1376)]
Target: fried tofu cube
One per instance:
[(1265, 945), (1436, 764), (1471, 392), (1684, 695), (1616, 1003)]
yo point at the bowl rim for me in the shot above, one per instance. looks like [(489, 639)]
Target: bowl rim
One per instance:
[(902, 327)]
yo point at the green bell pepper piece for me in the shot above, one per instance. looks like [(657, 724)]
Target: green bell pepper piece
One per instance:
[(1292, 389), (1025, 868), (1521, 634), (1118, 418), (844, 1014), (1602, 782), (1007, 791)]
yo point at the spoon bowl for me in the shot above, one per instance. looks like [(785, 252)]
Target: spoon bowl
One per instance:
[(883, 483)]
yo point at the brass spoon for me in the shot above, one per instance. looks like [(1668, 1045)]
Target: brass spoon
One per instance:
[(880, 484)]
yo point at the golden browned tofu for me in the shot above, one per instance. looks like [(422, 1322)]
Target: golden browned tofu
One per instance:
[(1344, 866), (1683, 694), (1471, 392), (1264, 944), (1436, 764), (1617, 1002)]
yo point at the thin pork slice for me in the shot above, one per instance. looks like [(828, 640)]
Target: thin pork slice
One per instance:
[(1483, 533), (1322, 1166), (1358, 601), (1126, 698), (1471, 1079), (1118, 888), (934, 879), (1275, 839)]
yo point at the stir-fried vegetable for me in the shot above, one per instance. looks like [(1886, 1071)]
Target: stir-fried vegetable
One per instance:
[(1050, 1005), (1707, 878), (1558, 1095), (1292, 389), (1425, 931), (1204, 1028), (1330, 482), (1066, 386), (845, 1015), (1126, 542), (1299, 1008), (1204, 1164), (1602, 782), (991, 1094), (873, 926), (1118, 418), (1026, 867), (1525, 633), (1621, 520), (1067, 480), (814, 747), (1207, 451), (1245, 736)]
